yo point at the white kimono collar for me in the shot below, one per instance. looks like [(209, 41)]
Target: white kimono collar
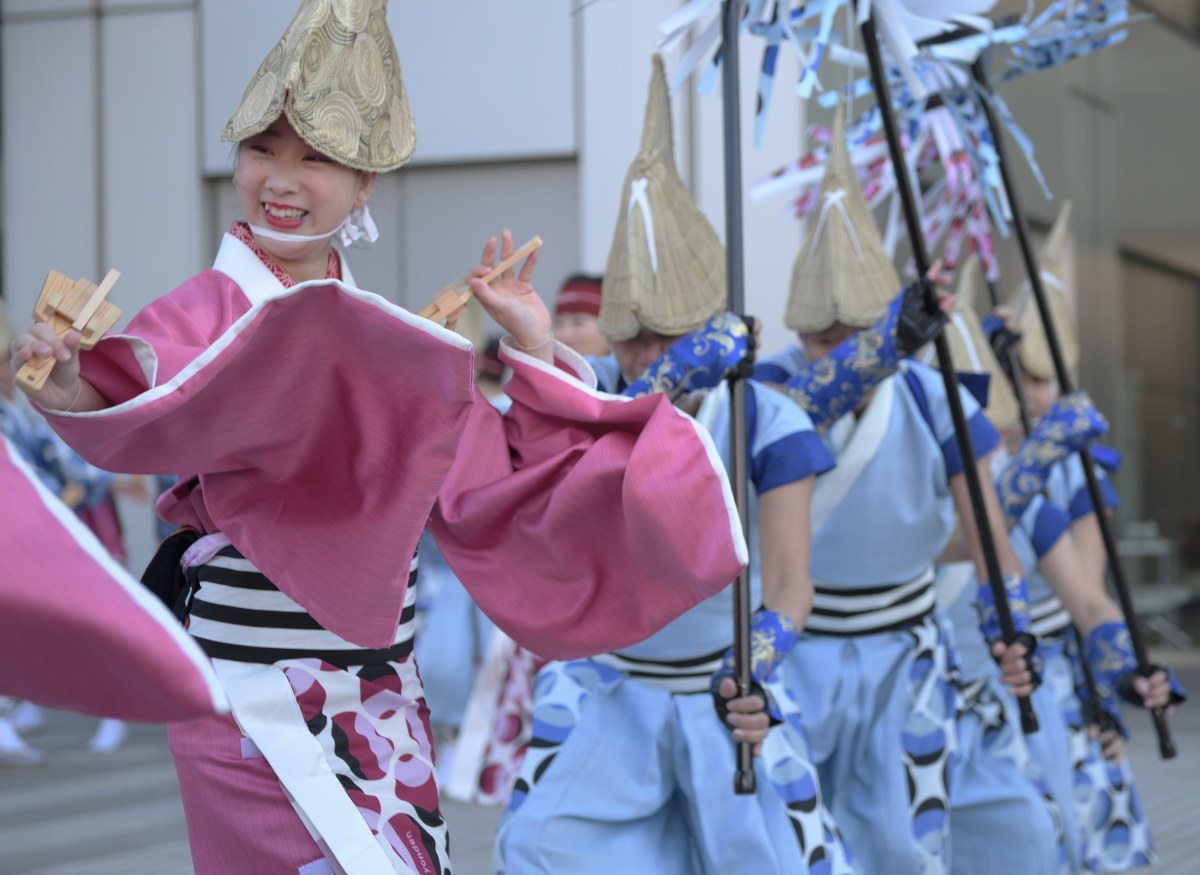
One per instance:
[(238, 262)]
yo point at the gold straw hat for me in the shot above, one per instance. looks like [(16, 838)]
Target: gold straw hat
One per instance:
[(842, 274), (1035, 349), (336, 77), (970, 351), (666, 268)]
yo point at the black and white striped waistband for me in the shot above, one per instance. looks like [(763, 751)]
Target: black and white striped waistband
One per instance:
[(1048, 617), (869, 610), (686, 676), (238, 614)]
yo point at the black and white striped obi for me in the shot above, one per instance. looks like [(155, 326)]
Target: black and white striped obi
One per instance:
[(681, 676), (869, 610), (236, 613)]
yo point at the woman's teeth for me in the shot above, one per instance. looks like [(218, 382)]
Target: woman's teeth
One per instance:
[(284, 212)]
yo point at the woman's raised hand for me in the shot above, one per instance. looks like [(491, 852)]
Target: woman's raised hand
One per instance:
[(63, 387), (511, 300)]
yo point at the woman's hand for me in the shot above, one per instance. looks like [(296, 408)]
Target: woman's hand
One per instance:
[(1154, 690), (511, 300), (63, 387), (1014, 668), (1112, 744), (747, 715)]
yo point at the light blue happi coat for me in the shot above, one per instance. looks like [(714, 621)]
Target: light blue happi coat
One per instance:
[(1104, 821), (881, 707), (623, 775), (1003, 816), (55, 463)]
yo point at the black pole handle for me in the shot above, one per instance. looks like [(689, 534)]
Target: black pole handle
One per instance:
[(744, 777), (945, 364), (1166, 747)]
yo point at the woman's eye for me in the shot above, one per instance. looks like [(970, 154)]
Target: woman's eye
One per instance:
[(257, 147), (323, 159)]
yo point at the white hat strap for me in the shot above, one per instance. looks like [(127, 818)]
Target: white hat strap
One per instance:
[(833, 199), (637, 197)]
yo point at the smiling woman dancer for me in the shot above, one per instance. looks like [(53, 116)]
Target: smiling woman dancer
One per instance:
[(317, 429)]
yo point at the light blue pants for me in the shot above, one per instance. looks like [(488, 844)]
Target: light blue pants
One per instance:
[(623, 777)]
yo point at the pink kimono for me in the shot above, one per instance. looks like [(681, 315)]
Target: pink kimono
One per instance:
[(76, 631), (319, 429)]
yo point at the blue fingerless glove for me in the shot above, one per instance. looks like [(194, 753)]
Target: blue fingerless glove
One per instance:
[(1108, 650), (1018, 605), (699, 360), (1096, 709), (1067, 427), (772, 637)]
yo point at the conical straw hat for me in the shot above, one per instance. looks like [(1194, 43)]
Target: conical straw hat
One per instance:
[(843, 273), (970, 351), (1035, 348), (336, 77), (666, 268)]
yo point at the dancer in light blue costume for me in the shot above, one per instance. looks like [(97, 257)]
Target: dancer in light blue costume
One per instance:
[(873, 673), (998, 791), (631, 768), (1107, 828)]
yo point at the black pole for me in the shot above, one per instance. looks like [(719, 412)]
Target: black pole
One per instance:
[(1166, 747), (962, 435), (743, 779)]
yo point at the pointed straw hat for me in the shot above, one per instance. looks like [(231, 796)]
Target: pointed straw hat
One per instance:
[(843, 273), (666, 268), (970, 351), (1035, 348), (336, 77)]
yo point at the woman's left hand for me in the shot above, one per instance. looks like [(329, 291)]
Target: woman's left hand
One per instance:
[(511, 300)]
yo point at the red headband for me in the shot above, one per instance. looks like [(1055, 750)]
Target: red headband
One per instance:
[(579, 294)]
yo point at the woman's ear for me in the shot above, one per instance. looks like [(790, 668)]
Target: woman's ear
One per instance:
[(366, 184)]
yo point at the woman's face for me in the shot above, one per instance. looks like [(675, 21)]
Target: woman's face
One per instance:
[(640, 351), (1039, 394), (581, 332), (818, 344), (284, 184)]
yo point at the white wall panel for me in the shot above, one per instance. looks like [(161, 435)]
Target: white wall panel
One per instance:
[(43, 7), (153, 209), (487, 81), (49, 156)]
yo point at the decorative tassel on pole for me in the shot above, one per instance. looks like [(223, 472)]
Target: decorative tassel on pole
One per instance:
[(1004, 616), (1166, 746)]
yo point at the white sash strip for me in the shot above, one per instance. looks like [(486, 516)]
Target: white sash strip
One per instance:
[(832, 487), (266, 711)]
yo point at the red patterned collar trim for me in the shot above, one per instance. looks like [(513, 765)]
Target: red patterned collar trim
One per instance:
[(242, 232)]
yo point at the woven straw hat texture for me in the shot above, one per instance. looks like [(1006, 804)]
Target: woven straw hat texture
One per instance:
[(972, 353), (336, 77), (673, 281), (833, 279), (1035, 348)]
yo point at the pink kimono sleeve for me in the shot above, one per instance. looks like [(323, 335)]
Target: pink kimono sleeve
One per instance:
[(581, 522), (76, 631)]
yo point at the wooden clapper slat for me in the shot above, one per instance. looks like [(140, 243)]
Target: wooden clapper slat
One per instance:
[(450, 303), (70, 305)]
